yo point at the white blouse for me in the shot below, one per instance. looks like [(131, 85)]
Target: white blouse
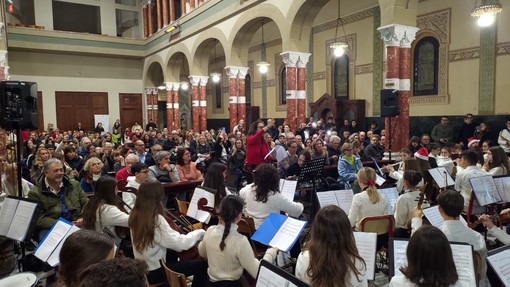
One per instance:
[(362, 207)]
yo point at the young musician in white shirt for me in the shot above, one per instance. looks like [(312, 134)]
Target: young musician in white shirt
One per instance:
[(467, 161), (331, 257)]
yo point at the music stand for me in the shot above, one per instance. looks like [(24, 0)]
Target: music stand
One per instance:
[(312, 170)]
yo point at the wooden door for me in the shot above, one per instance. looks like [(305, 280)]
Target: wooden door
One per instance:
[(75, 107), (130, 109)]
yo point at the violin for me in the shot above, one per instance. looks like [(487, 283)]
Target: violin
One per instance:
[(202, 205), (494, 218), (190, 254), (418, 205)]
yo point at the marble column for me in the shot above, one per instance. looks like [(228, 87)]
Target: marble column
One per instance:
[(149, 18), (165, 12), (169, 106), (301, 88), (233, 73), (195, 102), (241, 100), (154, 97), (159, 12), (172, 11), (149, 101), (192, 4), (177, 115), (203, 102), (397, 41), (200, 2), (145, 21), (183, 7), (290, 59)]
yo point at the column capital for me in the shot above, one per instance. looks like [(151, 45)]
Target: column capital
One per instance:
[(398, 35), (242, 72), (203, 80), (194, 80), (171, 86), (233, 71), (295, 59), (150, 90)]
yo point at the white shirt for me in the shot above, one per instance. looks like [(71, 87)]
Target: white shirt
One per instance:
[(404, 206), (11, 189), (304, 260), (111, 216), (275, 203), (363, 207), (462, 181), (503, 138), (166, 238)]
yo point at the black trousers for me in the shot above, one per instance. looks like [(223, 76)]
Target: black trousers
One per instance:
[(225, 283)]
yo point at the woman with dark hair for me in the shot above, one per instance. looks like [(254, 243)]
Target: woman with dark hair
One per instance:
[(186, 168), (215, 178), (236, 160), (497, 163), (153, 238), (331, 257), (99, 128), (407, 202), (429, 261), (227, 251), (81, 249), (263, 196), (317, 150), (256, 146), (102, 210)]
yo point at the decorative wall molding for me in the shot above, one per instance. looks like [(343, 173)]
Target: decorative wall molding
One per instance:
[(364, 69), (487, 75), (378, 65), (464, 54), (319, 76), (345, 20), (503, 48), (272, 43), (269, 83)]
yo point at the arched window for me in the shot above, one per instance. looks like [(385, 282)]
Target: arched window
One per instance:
[(426, 62), (283, 86), (341, 77), (247, 88)]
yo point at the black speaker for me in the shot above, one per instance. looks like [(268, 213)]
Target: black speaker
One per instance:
[(18, 105), (389, 103)]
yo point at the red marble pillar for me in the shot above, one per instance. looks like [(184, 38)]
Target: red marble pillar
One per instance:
[(158, 10), (301, 88), (172, 11), (392, 82), (203, 103), (232, 73), (241, 100), (183, 7), (195, 102), (149, 19), (192, 4), (169, 106), (145, 22), (177, 114), (155, 105), (291, 97), (165, 12), (401, 136)]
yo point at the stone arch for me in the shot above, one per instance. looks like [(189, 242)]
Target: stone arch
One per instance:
[(177, 64), (246, 26), (203, 50), (154, 75), (302, 18)]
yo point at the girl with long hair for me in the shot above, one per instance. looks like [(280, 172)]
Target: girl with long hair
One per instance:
[(370, 202), (102, 210), (263, 196), (429, 261), (236, 160), (153, 238), (81, 249), (41, 156), (497, 163), (227, 251), (331, 258), (215, 178), (317, 150)]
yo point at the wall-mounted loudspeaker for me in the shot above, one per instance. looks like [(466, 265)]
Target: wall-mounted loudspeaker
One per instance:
[(18, 105), (389, 103)]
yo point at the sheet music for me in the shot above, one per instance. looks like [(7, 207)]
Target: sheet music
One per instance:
[(440, 174), (391, 195), (435, 218), (399, 255), (500, 262), (21, 220), (463, 258), (503, 187), (6, 214), (340, 198), (366, 242), (287, 234), (485, 190), (379, 180), (268, 278), (193, 211), (54, 258), (52, 239), (288, 188)]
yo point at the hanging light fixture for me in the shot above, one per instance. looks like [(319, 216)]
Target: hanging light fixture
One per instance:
[(263, 65), (216, 77), (486, 11), (184, 86), (339, 47)]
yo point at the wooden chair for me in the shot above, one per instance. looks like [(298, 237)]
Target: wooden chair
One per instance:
[(173, 279), (478, 262), (182, 207), (246, 226), (379, 224)]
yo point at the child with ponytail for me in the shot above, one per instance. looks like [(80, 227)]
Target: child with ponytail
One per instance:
[(370, 202), (227, 251)]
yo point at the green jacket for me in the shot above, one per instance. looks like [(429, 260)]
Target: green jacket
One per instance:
[(51, 208)]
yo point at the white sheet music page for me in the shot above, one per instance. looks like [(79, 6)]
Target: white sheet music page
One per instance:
[(288, 188), (21, 220), (379, 180), (441, 176), (485, 190), (344, 199), (287, 234), (435, 218), (6, 214), (54, 258), (391, 195), (193, 211), (503, 186), (463, 258), (53, 238), (327, 198), (268, 278), (399, 255), (501, 264), (366, 242)]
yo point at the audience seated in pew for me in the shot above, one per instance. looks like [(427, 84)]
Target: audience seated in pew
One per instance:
[(164, 171), (141, 172), (186, 168)]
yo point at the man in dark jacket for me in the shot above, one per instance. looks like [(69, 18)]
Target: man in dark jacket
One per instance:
[(59, 196), (374, 150)]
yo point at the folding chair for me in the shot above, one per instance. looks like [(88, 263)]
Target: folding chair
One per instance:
[(246, 226)]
